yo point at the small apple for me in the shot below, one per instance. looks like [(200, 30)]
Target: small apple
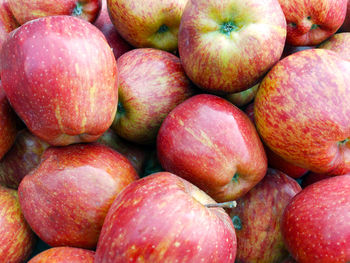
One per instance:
[(163, 218), (243, 98), (66, 198), (64, 255), (339, 43)]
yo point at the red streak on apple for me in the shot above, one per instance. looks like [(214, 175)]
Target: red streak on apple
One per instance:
[(64, 255)]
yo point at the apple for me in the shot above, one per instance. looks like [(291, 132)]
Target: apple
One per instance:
[(311, 22), (301, 111), (214, 145), (151, 83), (312, 178), (66, 198), (227, 46), (315, 224), (257, 219), (116, 42), (163, 218), (339, 43), (154, 24), (7, 21), (16, 238), (60, 76), (25, 11), (243, 98), (64, 255)]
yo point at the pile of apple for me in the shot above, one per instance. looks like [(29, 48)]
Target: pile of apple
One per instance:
[(175, 131)]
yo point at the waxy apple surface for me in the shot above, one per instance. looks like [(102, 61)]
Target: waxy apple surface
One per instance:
[(64, 255), (60, 76)]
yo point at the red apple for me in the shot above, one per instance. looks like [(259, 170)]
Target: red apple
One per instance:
[(243, 98), (64, 255), (163, 218), (227, 46), (60, 76), (151, 83), (301, 111), (311, 22), (152, 24), (65, 200), (7, 21), (213, 144), (16, 238), (25, 11), (339, 43), (116, 42), (257, 219), (315, 224)]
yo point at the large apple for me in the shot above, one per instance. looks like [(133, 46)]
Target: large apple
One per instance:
[(66, 198), (151, 83), (226, 46), (213, 144), (153, 24), (64, 255), (60, 76), (17, 240), (339, 43), (163, 218), (302, 111), (7, 21), (313, 21), (316, 223), (257, 219), (25, 11)]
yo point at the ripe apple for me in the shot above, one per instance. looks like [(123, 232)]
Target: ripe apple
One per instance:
[(311, 22), (7, 21), (301, 111), (213, 144), (315, 224), (25, 11), (60, 76), (339, 43), (116, 42), (16, 238), (257, 219), (243, 98), (152, 24), (64, 255), (226, 46), (163, 218), (151, 83), (66, 199)]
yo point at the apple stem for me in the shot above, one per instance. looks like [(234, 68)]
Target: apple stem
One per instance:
[(230, 204)]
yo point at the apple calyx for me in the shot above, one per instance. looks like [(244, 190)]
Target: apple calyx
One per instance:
[(162, 29), (227, 27), (235, 178), (344, 141), (237, 223), (78, 10), (229, 204)]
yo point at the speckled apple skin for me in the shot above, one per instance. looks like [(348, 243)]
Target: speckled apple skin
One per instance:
[(66, 199), (60, 76), (339, 43), (64, 255), (161, 219), (316, 223)]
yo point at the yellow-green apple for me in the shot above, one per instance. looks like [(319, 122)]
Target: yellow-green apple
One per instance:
[(243, 98), (226, 46), (311, 22), (64, 255), (66, 198), (301, 111), (315, 224), (257, 219), (339, 43), (60, 76), (23, 157), (163, 218), (346, 24), (116, 42), (7, 21), (214, 145), (25, 11), (153, 24), (151, 83), (17, 240)]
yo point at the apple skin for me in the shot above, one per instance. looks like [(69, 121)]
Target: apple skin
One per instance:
[(339, 43), (16, 238), (153, 25), (151, 83), (7, 21), (116, 42), (311, 22), (60, 76), (140, 225), (315, 224), (346, 25), (214, 145), (25, 11), (64, 255), (299, 119), (66, 198), (312, 178), (257, 219), (241, 99), (226, 54)]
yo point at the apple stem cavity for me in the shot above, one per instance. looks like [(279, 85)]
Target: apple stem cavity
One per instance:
[(344, 141), (314, 26), (227, 27), (78, 10), (162, 29), (235, 178), (229, 204)]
